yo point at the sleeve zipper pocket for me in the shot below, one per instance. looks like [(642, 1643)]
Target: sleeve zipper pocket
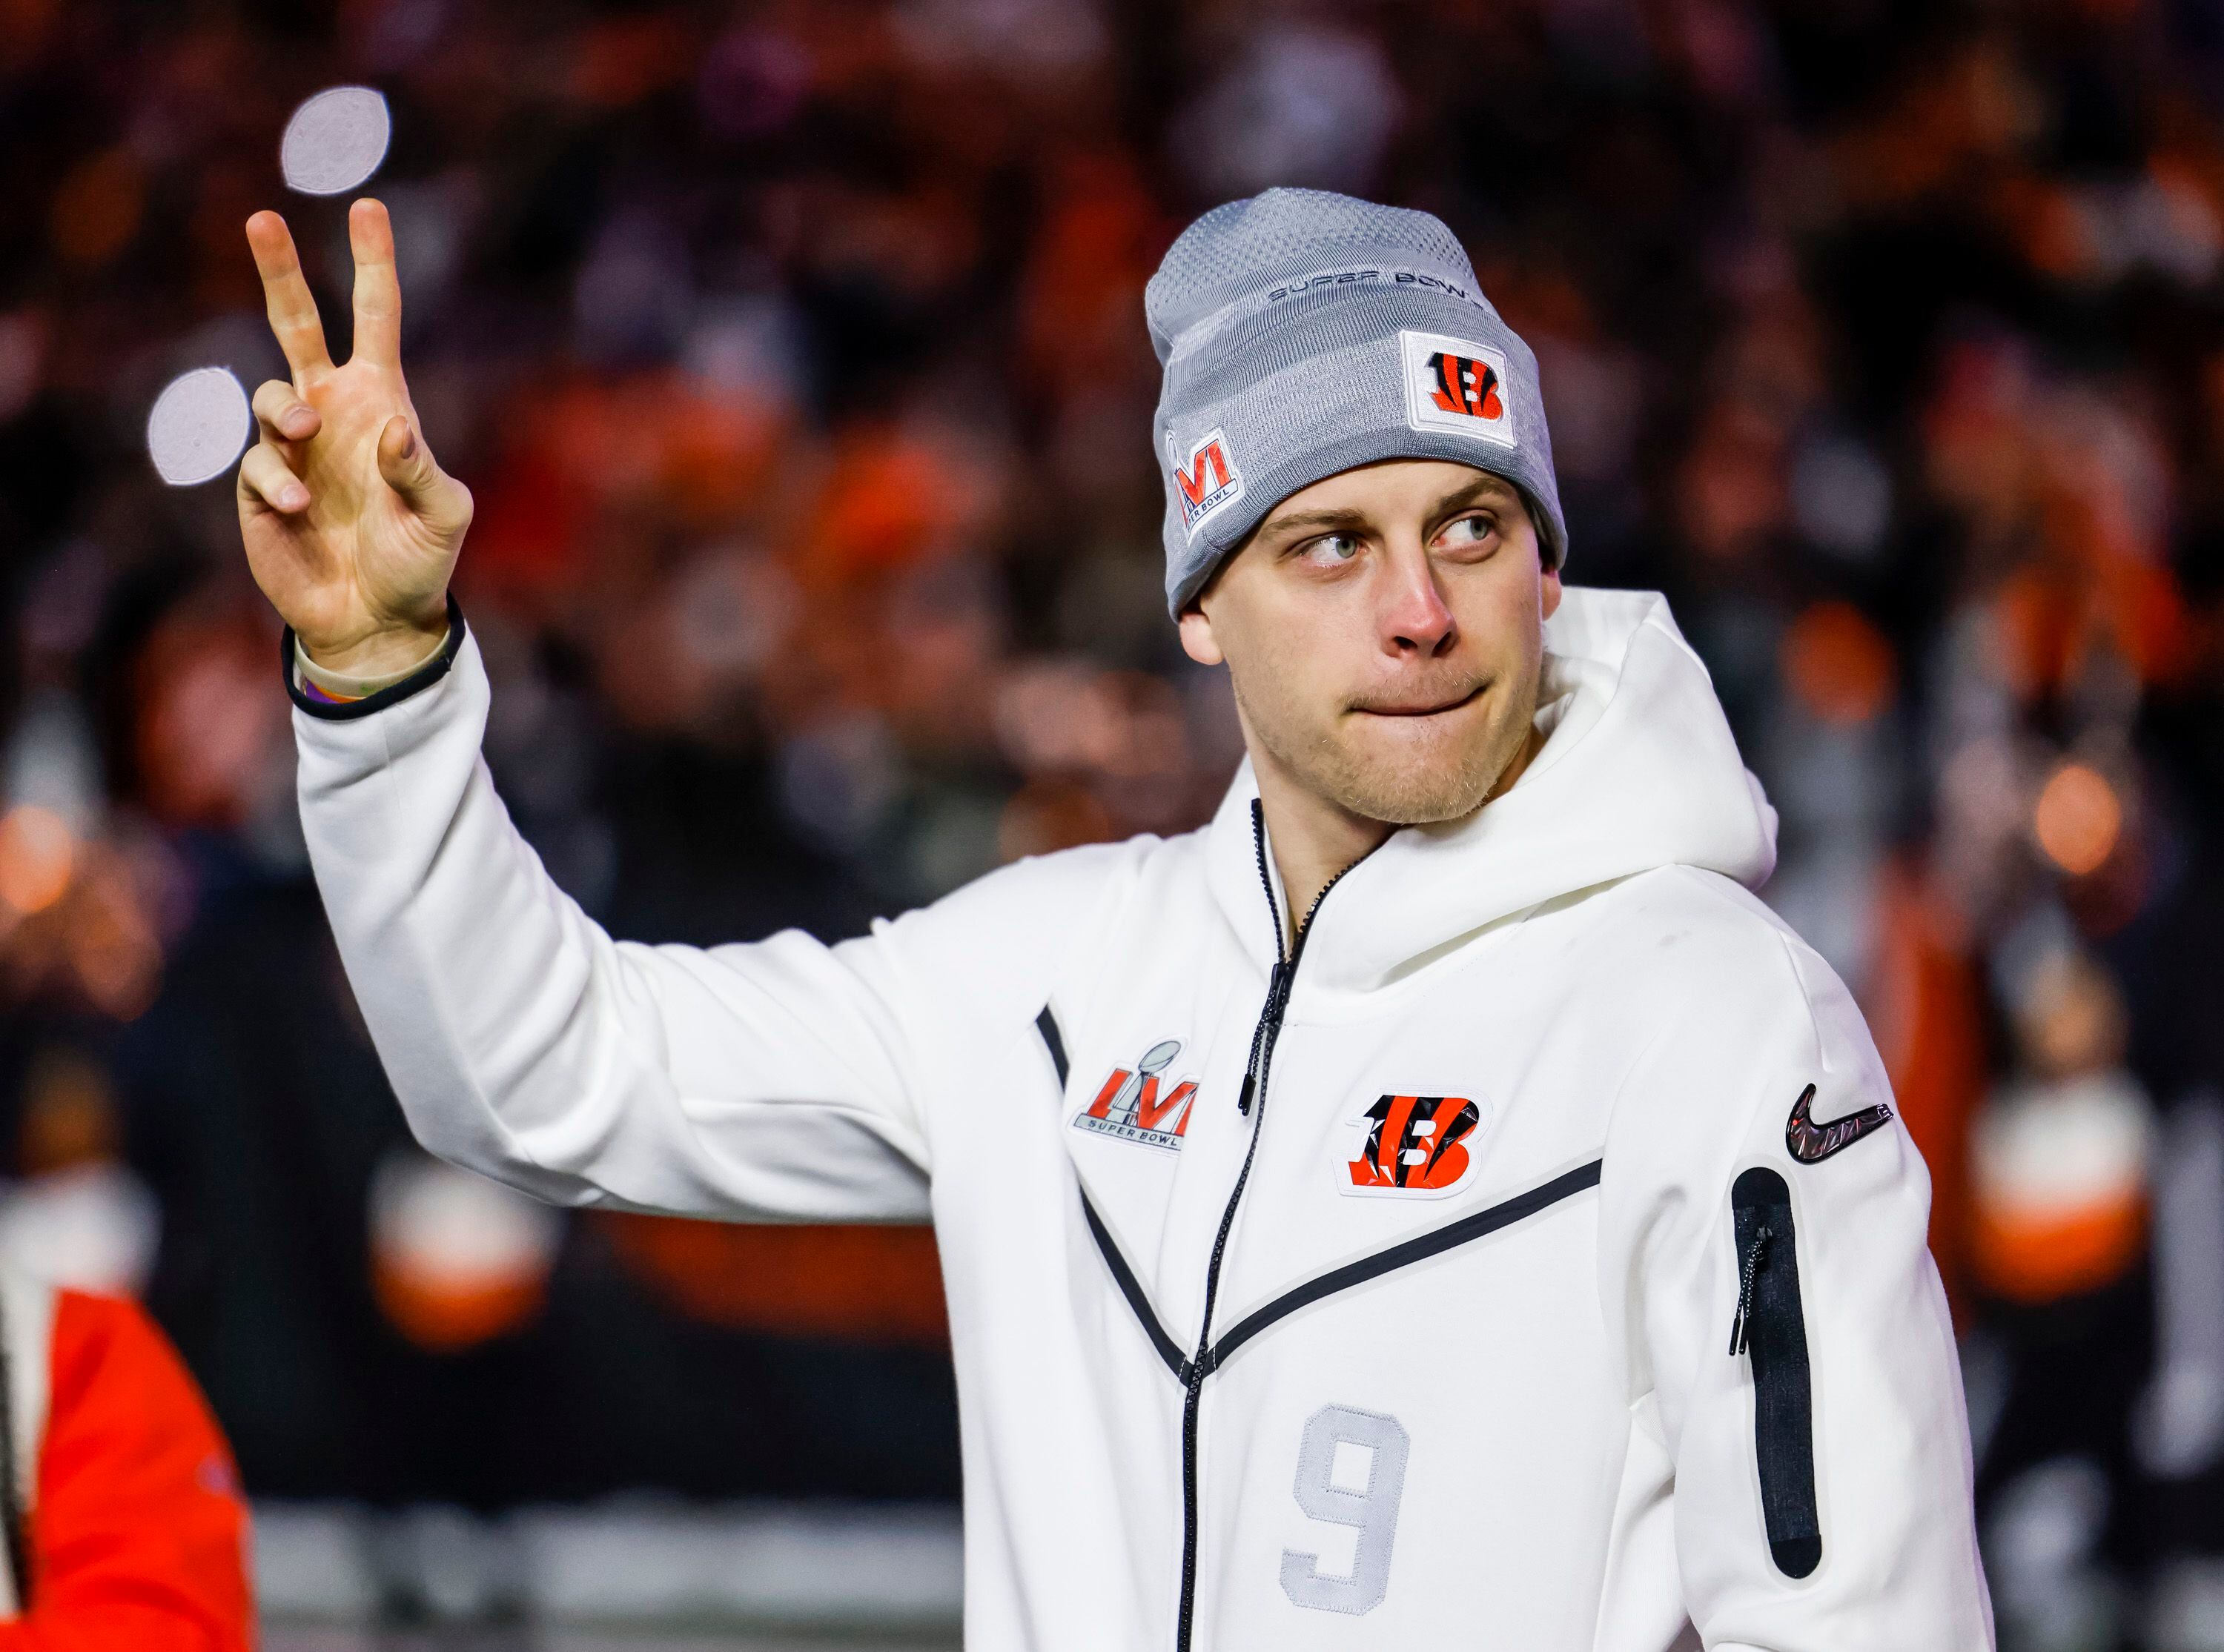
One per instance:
[(1771, 1329)]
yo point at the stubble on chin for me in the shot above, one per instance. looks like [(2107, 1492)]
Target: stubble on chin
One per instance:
[(1401, 783)]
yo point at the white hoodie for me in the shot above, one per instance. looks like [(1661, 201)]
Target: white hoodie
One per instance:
[(1427, 1343)]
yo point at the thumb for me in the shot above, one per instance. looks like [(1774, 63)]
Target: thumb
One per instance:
[(406, 462)]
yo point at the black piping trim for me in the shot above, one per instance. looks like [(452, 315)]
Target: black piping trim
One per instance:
[(416, 683), (1046, 1024), (1122, 1275), (1452, 1234), (1132, 1289), (1449, 1237)]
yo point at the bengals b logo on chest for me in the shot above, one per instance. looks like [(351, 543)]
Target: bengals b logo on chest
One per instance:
[(1417, 1146)]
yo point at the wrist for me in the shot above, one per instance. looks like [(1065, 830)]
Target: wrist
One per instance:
[(380, 653), (324, 693)]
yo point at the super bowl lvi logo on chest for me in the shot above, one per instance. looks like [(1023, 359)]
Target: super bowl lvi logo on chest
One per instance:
[(1136, 1104), (1417, 1146)]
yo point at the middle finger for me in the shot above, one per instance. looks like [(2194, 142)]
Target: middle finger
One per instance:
[(377, 289)]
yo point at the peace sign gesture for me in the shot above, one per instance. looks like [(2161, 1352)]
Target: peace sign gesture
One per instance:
[(352, 529)]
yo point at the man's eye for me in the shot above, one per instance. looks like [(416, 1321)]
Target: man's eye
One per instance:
[(1331, 550), (1468, 531)]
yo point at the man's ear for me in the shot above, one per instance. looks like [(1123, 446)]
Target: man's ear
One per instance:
[(1197, 638), (1551, 584)]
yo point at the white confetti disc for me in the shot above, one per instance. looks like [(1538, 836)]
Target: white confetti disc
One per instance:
[(199, 424), (335, 139)]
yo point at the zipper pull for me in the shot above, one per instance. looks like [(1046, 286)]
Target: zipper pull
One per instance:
[(1746, 1275), (1277, 987)]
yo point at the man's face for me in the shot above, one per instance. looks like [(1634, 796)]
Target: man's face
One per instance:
[(1384, 630)]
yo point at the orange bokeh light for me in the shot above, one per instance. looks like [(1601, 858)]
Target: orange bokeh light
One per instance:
[(2078, 819), (37, 858), (1838, 664), (96, 207)]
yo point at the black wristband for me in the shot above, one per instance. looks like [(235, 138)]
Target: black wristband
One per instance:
[(416, 683)]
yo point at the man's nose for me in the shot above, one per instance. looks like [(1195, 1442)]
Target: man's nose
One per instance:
[(1415, 616)]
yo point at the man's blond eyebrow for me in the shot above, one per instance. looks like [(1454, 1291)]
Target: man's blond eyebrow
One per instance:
[(1314, 518), (1461, 498)]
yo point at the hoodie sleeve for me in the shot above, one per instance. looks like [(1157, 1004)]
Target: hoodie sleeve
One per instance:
[(778, 1080), (1821, 1471)]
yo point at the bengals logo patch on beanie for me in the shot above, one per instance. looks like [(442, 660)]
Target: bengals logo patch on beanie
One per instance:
[(1458, 386)]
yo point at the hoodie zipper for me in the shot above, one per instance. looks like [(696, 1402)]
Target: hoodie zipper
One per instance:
[(1770, 1329), (1263, 1037)]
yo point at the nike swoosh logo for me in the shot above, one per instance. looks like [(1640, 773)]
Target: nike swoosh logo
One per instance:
[(1811, 1142)]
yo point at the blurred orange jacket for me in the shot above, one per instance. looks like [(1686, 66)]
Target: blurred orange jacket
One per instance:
[(125, 1508)]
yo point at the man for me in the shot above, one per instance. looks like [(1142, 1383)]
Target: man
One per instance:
[(1433, 1205)]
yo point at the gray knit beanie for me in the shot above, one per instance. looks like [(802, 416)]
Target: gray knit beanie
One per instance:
[(1304, 333)]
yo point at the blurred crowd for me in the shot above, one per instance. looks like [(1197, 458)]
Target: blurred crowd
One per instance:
[(794, 353)]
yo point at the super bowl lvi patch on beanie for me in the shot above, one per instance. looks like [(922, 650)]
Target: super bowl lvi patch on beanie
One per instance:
[(1304, 333)]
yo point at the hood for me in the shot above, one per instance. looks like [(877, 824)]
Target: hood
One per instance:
[(1637, 771)]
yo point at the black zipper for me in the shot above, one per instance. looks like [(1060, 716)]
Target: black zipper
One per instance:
[(1255, 1090), (1771, 1328)]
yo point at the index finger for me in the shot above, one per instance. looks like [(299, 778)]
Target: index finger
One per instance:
[(378, 288), (285, 296)]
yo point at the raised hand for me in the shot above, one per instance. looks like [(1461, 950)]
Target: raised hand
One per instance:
[(352, 528)]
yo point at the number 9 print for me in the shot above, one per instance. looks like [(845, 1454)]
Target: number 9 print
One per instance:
[(1370, 1506)]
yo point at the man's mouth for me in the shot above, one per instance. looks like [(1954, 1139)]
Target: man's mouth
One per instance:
[(1417, 708)]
